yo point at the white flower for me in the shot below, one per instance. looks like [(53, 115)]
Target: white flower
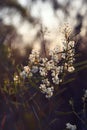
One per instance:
[(34, 56), (55, 71), (49, 65), (70, 62), (56, 79), (70, 126), (49, 95), (71, 69), (52, 88), (26, 69), (43, 62), (46, 81), (43, 71), (49, 92), (43, 88)]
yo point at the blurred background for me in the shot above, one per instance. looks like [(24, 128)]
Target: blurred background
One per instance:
[(21, 22)]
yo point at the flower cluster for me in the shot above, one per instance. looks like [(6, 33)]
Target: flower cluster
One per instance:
[(54, 54), (48, 91), (51, 69), (55, 74), (34, 57), (68, 48)]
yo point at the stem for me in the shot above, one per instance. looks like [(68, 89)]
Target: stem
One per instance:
[(35, 113)]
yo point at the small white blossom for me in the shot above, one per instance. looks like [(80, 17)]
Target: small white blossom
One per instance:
[(71, 69), (46, 81), (27, 69), (43, 71), (43, 88), (49, 65), (49, 95), (56, 79), (55, 71), (43, 61), (49, 92), (70, 126), (34, 56)]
